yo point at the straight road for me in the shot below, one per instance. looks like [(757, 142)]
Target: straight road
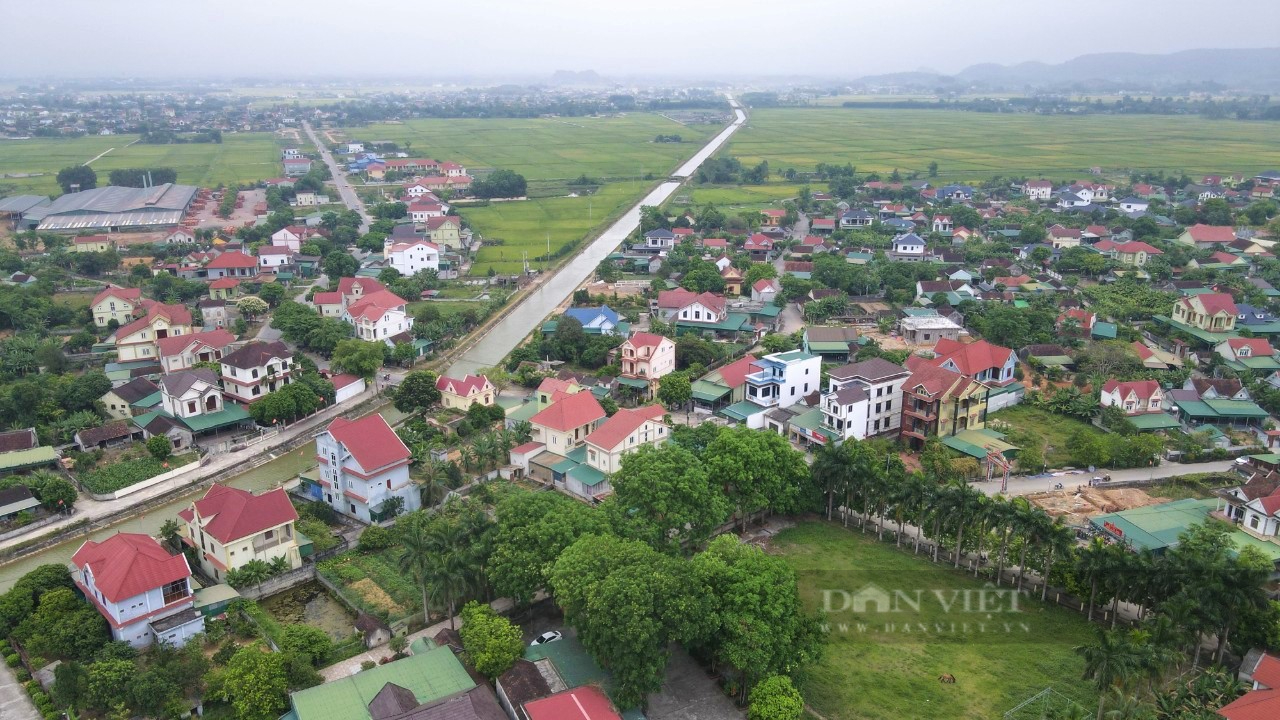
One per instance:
[(345, 191), (1045, 483), (555, 288)]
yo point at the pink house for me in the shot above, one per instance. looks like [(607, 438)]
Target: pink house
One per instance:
[(646, 357)]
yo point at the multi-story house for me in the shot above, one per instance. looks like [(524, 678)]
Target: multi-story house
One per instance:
[(566, 422), (230, 527), (138, 339), (409, 258), (687, 306), (116, 303), (980, 361), (445, 231), (1211, 312), (354, 289), (1037, 189), (143, 592), (627, 430), (1134, 398), (784, 379), (191, 393), (646, 357), (864, 399), (181, 352), (908, 247), (381, 316), (256, 369), (461, 394), (273, 257), (937, 402), (659, 239), (363, 464), (1206, 236), (224, 289), (1064, 237)]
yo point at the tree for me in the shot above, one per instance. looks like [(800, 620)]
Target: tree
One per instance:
[(159, 447), (1112, 662), (759, 470), (62, 625), (311, 642), (775, 697), (81, 176), (500, 184), (674, 389), (358, 357), (492, 643), (71, 684), (416, 561), (340, 264), (532, 530), (108, 682), (272, 293), (417, 392), (404, 354), (251, 306), (662, 496), (255, 684)]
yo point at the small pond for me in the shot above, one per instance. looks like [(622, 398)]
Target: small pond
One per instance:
[(310, 604)]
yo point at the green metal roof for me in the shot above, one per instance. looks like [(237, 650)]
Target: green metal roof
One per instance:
[(767, 311), (1211, 338), (633, 382), (979, 443), (1262, 362), (522, 412), (148, 401), (740, 411), (1055, 360), (429, 676), (230, 414), (733, 322), (1154, 421), (812, 420), (32, 457), (575, 666), (587, 475), (1235, 408), (1158, 526), (828, 347), (707, 391), (1104, 330)]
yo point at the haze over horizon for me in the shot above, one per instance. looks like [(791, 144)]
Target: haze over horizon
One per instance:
[(708, 39)]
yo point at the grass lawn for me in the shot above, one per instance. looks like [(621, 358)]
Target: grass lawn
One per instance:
[(447, 309), (1024, 421), (548, 148), (977, 145), (871, 671), (241, 157), (523, 226)]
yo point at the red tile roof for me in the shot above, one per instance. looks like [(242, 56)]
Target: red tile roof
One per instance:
[(343, 380), (1214, 303), (1212, 233), (347, 285), (623, 423), (676, 298), (735, 373), (1134, 246), (1059, 231), (1258, 347), (373, 305), (582, 703), (225, 283), (1267, 671), (972, 358), (935, 381), (1255, 705), (435, 223), (327, 298), (233, 259), (1144, 389), (231, 514), (119, 293), (570, 412), (759, 241), (126, 565), (466, 386), (370, 440), (645, 339), (764, 284), (1143, 351), (174, 345)]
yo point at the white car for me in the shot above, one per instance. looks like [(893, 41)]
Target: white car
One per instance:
[(546, 637)]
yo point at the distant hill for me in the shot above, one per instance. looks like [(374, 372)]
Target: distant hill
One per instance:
[(1249, 69), (580, 78)]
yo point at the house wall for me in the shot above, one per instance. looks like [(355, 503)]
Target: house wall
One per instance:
[(356, 496), (609, 460), (112, 309)]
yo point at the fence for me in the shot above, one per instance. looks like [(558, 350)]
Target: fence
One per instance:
[(279, 583)]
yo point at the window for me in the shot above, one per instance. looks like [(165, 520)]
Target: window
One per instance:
[(888, 406)]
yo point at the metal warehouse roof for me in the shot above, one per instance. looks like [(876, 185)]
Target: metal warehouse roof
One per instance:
[(21, 203), (119, 207)]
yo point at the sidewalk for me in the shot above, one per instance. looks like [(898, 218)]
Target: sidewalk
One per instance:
[(15, 704), (1043, 483), (241, 460)]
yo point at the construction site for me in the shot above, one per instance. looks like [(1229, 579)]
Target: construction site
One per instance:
[(1076, 505)]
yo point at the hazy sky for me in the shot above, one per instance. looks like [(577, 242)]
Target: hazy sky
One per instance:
[(703, 38)]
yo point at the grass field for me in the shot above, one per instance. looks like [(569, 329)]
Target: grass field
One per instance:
[(1024, 420), (976, 145), (873, 671), (549, 148), (524, 226), (735, 198), (241, 157)]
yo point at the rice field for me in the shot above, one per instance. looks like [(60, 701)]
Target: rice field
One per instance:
[(240, 158), (969, 145), (548, 148)]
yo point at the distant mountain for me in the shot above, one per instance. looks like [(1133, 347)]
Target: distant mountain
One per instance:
[(1247, 69), (580, 78)]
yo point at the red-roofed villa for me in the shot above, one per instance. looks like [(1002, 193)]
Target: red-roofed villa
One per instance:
[(142, 590), (229, 527)]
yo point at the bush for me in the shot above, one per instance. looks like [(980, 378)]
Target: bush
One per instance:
[(22, 675), (12, 660), (159, 447), (368, 665), (375, 537)]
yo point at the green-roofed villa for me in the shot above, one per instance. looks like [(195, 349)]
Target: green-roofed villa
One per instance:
[(432, 675)]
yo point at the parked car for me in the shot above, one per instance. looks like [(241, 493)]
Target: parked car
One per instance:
[(546, 637)]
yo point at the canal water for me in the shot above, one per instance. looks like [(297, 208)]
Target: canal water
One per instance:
[(275, 473)]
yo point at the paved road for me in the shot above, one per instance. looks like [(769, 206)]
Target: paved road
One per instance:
[(345, 191), (554, 288), (1043, 483), (15, 704)]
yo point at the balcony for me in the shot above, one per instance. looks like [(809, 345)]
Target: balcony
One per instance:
[(764, 377), (921, 411), (260, 546)]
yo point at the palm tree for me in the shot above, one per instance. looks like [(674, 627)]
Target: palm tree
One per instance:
[(961, 502), (1027, 523), (1058, 543), (1007, 513), (1092, 564), (988, 508), (1111, 663), (485, 448), (828, 470), (429, 477), (453, 572), (416, 561)]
